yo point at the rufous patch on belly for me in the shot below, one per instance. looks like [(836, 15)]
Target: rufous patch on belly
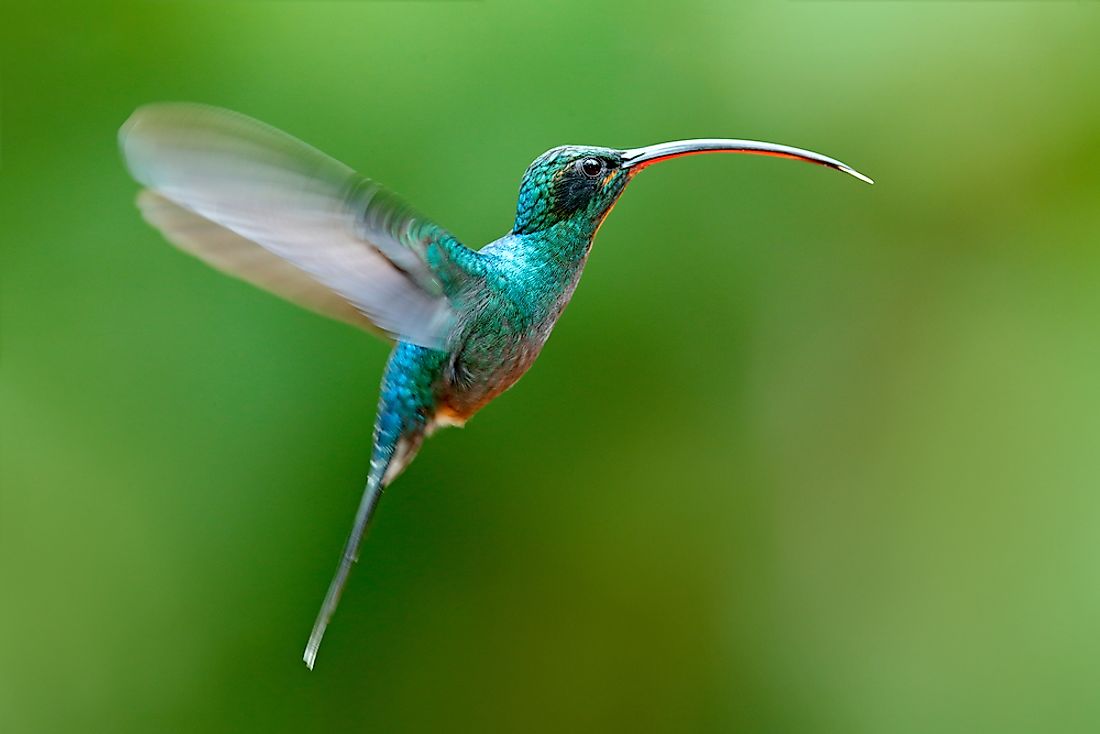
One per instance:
[(445, 415)]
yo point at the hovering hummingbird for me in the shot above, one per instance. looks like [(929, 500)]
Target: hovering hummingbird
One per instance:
[(265, 207)]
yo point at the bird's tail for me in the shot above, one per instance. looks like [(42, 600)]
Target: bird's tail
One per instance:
[(392, 452)]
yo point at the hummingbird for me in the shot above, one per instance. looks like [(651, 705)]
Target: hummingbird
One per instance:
[(261, 205)]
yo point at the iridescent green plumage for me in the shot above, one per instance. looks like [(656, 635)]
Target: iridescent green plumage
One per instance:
[(261, 205)]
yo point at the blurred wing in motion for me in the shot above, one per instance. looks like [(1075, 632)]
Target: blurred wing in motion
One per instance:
[(227, 251), (263, 206)]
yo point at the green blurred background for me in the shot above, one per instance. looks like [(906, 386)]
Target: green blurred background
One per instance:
[(804, 455)]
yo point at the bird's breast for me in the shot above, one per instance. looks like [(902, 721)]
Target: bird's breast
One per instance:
[(504, 330), (497, 348)]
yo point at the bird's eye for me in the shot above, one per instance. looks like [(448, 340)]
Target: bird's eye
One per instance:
[(591, 167)]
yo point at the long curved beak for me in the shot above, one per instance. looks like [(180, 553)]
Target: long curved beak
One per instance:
[(639, 158)]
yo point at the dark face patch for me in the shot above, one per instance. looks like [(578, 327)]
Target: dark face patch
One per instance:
[(573, 189)]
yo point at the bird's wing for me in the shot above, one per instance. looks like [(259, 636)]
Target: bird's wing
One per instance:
[(223, 184), (230, 253)]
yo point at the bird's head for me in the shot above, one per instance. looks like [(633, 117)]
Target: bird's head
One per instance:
[(579, 184), (571, 183)]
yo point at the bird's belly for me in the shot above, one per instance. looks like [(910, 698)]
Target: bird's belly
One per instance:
[(501, 344), (481, 373)]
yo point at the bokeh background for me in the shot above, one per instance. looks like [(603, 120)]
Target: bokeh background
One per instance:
[(804, 455)]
